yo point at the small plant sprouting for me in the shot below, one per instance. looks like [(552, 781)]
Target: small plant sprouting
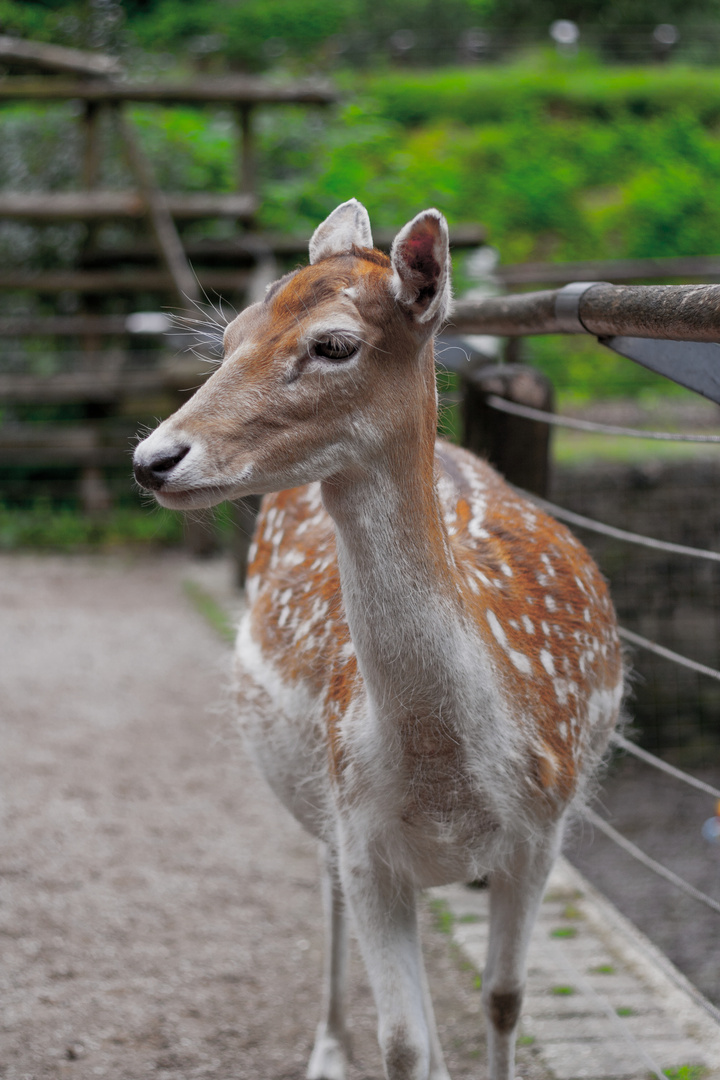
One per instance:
[(563, 991), (572, 912), (686, 1072), (443, 916), (525, 1040), (625, 1010), (564, 932), (603, 969), (477, 982)]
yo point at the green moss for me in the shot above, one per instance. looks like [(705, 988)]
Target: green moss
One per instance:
[(564, 932), (563, 991), (442, 915)]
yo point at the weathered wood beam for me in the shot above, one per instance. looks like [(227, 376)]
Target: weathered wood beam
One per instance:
[(63, 325), (243, 248), (231, 89), (86, 205), (664, 312), (680, 266), (101, 281), (182, 376), (38, 54)]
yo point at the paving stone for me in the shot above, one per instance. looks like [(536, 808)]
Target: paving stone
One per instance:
[(673, 1053), (581, 1036), (545, 1003), (592, 1060), (554, 1029)]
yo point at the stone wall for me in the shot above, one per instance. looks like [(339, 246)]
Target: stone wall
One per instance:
[(671, 599)]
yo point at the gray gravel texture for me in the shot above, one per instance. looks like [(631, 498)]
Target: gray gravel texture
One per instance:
[(160, 913)]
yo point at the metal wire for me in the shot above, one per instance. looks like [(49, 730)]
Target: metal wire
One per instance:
[(668, 654), (650, 863), (503, 405), (658, 763), (619, 534)]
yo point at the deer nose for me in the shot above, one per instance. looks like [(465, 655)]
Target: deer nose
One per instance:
[(153, 473)]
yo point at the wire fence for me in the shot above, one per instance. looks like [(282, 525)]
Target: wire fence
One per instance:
[(620, 742)]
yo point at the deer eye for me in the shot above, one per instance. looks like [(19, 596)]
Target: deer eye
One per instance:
[(335, 348)]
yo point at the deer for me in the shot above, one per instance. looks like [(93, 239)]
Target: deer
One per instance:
[(429, 668)]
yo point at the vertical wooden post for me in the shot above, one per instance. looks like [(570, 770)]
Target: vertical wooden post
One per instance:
[(518, 448), (95, 496), (246, 156)]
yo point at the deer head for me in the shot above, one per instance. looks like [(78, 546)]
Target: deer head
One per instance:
[(330, 370)]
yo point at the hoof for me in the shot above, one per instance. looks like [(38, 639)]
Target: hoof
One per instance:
[(327, 1061)]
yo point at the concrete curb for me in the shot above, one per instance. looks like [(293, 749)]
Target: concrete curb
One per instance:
[(602, 1002)]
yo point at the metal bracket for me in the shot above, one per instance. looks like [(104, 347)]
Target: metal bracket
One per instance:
[(693, 364), (567, 306)]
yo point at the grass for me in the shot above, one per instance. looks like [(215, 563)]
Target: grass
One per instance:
[(686, 1072), (442, 916), (210, 610)]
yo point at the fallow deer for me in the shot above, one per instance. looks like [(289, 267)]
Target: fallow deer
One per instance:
[(429, 669)]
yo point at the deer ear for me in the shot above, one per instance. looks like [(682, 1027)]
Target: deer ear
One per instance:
[(421, 262), (348, 226)]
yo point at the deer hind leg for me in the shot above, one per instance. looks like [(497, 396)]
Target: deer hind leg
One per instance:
[(385, 916), (331, 1049), (515, 896)]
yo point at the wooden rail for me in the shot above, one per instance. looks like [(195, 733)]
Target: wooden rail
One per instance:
[(614, 270), (181, 376), (230, 90), (665, 312), (99, 204)]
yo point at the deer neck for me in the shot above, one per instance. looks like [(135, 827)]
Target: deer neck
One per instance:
[(398, 577)]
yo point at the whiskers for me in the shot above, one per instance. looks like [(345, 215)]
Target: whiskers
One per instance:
[(205, 330)]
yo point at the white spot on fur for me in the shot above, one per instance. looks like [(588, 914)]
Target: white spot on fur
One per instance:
[(547, 662)]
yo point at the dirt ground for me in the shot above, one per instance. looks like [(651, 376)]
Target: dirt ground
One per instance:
[(160, 914)]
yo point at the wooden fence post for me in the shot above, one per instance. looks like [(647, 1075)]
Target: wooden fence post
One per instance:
[(517, 447)]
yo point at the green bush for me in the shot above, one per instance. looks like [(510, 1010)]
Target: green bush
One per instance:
[(47, 526)]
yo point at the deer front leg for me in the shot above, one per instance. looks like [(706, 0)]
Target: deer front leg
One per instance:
[(330, 1052), (515, 896), (385, 915)]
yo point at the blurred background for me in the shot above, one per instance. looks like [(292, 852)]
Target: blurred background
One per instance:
[(162, 160)]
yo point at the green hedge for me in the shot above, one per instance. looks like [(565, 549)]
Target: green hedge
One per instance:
[(543, 84)]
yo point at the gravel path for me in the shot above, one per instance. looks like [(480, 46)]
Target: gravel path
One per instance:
[(159, 912)]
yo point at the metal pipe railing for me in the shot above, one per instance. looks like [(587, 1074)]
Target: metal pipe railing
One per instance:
[(667, 312)]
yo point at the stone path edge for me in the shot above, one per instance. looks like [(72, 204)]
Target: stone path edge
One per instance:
[(668, 991)]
